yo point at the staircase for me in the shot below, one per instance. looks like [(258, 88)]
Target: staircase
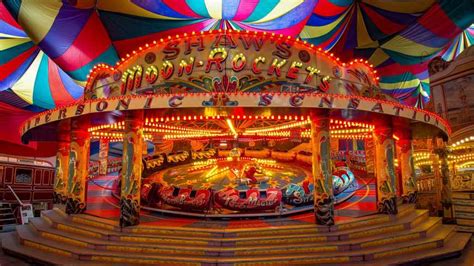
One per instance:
[(7, 218), (463, 203), (408, 237)]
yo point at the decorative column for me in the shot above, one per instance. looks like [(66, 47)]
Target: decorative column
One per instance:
[(131, 169), (369, 147), (446, 193), (78, 166), (385, 168), (103, 156), (321, 166), (334, 144), (62, 162), (436, 184), (407, 167)]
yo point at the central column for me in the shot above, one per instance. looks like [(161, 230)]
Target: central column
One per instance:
[(407, 167), (78, 169), (62, 162), (321, 168), (385, 167), (131, 169), (446, 193), (103, 156)]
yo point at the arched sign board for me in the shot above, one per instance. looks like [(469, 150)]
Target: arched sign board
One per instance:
[(233, 69), (231, 61)]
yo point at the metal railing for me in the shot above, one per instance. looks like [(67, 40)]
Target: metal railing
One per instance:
[(25, 210)]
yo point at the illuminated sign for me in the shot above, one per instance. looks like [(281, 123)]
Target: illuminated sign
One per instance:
[(232, 61)]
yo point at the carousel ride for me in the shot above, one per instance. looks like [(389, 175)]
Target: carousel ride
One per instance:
[(242, 123), (236, 166)]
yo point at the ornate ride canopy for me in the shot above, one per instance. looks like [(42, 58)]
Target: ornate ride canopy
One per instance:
[(232, 69), (229, 62)]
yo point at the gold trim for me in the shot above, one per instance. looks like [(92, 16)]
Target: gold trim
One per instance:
[(92, 223), (31, 244), (411, 249), (64, 239), (76, 230), (376, 231)]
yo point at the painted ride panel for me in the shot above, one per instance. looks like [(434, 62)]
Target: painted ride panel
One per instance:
[(186, 198), (250, 200)]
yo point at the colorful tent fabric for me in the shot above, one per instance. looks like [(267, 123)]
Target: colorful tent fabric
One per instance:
[(28, 72), (133, 23), (459, 44), (72, 35), (398, 37), (343, 25)]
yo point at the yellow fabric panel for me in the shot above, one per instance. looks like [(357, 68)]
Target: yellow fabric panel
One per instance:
[(378, 57), (214, 8), (24, 87), (9, 43), (408, 47), (37, 17), (313, 32), (283, 7), (363, 37), (397, 85)]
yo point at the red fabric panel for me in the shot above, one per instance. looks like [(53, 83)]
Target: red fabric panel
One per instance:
[(127, 46), (182, 7), (327, 9), (389, 27), (10, 67), (10, 142), (59, 93), (5, 16), (438, 22), (245, 9), (83, 50)]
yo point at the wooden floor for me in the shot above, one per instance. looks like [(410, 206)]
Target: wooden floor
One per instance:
[(411, 236)]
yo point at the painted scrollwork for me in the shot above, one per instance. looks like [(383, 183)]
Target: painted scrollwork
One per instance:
[(74, 206), (129, 212)]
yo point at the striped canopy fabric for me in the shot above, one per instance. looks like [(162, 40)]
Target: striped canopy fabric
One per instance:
[(28, 72), (50, 42)]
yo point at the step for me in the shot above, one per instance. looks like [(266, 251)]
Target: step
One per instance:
[(420, 231), (3, 219), (5, 215), (464, 215), (210, 229), (346, 256), (467, 229), (11, 246), (465, 222), (463, 208), (277, 238), (462, 195), (111, 225), (29, 237), (463, 202), (392, 224), (436, 240), (8, 227), (252, 231), (453, 247)]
